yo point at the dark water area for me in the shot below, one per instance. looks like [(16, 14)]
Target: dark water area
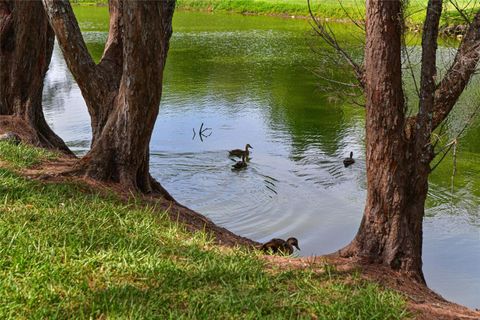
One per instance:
[(251, 80)]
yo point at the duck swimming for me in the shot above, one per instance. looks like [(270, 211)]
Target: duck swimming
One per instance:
[(240, 164), (349, 161), (280, 246), (240, 152)]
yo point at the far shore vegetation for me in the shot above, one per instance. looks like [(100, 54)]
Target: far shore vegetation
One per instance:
[(337, 10)]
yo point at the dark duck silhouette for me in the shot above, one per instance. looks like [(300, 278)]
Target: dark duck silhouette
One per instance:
[(240, 152), (349, 161), (240, 164), (281, 246)]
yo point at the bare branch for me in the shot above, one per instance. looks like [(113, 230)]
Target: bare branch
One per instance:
[(346, 84), (354, 21), (410, 68), (449, 146), (324, 32), (460, 11)]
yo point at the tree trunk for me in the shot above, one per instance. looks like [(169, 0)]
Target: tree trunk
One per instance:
[(397, 171), (123, 91), (399, 148), (26, 44)]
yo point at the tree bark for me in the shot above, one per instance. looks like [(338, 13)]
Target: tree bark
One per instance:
[(123, 91), (459, 73), (398, 150), (26, 44)]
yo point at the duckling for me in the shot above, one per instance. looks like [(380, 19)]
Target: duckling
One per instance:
[(280, 246), (240, 152), (349, 161), (11, 137), (240, 164)]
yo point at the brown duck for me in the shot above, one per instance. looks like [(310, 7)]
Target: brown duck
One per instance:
[(281, 246), (240, 152), (349, 161), (240, 164)]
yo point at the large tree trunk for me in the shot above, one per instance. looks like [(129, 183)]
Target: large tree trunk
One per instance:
[(122, 149), (26, 44), (398, 150), (123, 91)]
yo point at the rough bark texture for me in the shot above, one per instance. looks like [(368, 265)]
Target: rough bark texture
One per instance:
[(459, 73), (123, 91), (398, 150), (26, 44)]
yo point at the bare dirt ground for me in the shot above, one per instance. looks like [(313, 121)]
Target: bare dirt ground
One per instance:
[(422, 302)]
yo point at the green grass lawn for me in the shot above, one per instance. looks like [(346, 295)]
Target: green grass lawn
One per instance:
[(68, 252), (333, 9)]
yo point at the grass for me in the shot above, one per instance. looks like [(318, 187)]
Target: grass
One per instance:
[(23, 155), (332, 9), (68, 252)]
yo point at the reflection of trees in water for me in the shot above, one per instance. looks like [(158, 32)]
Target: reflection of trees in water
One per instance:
[(267, 71), (58, 84), (59, 81)]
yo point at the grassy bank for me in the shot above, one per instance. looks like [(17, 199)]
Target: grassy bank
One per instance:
[(342, 10), (68, 252)]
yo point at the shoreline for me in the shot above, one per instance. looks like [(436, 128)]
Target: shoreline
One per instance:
[(298, 10), (45, 171)]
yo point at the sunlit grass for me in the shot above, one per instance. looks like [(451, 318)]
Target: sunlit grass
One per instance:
[(68, 252), (23, 155)]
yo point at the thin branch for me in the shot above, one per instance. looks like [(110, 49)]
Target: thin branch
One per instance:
[(354, 21), (454, 170), (460, 11), (346, 84), (410, 68), (448, 147), (324, 32)]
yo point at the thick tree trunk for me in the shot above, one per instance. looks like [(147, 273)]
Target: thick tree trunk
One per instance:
[(397, 170), (399, 148), (123, 147), (26, 44), (123, 91)]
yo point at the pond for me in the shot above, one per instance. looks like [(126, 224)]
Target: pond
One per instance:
[(251, 80)]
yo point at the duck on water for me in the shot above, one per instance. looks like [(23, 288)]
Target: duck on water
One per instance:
[(239, 152), (240, 164), (349, 161)]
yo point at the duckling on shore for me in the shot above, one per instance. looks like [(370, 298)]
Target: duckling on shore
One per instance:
[(349, 161), (240, 152), (240, 164), (11, 137), (280, 246)]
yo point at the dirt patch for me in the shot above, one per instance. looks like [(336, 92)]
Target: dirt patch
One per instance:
[(422, 302)]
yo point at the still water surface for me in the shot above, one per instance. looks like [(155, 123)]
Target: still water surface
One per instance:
[(250, 79)]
